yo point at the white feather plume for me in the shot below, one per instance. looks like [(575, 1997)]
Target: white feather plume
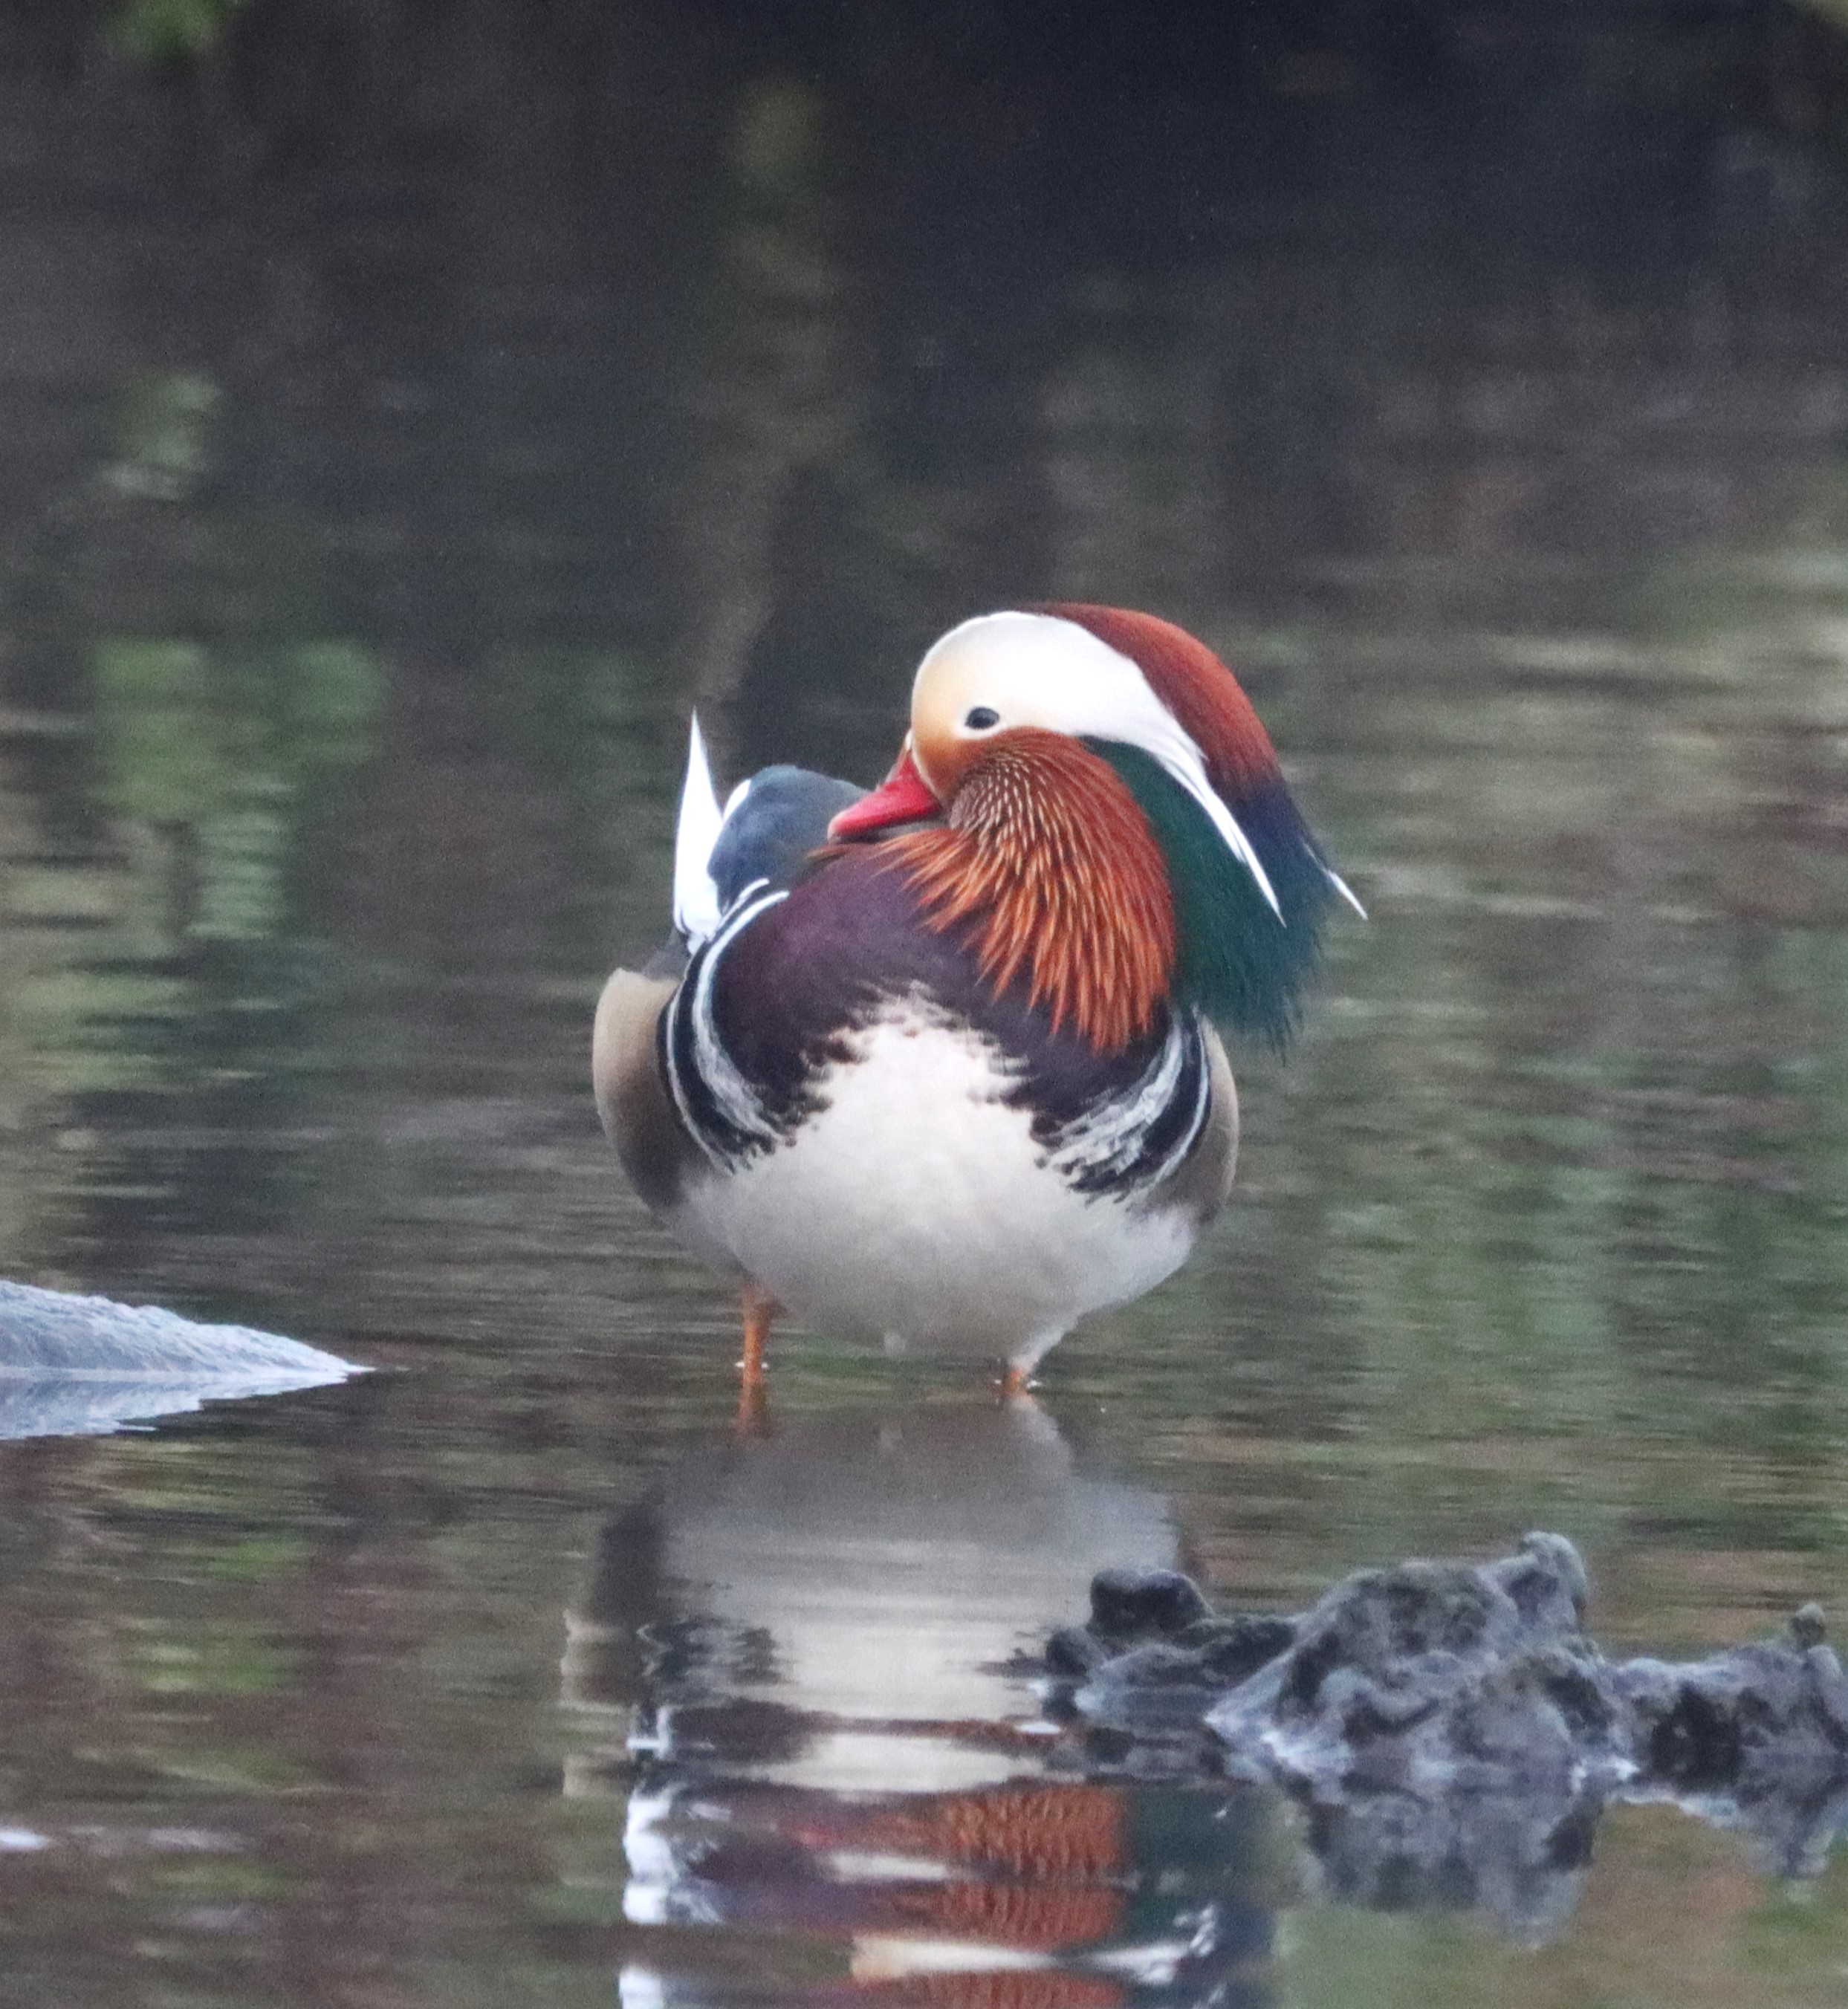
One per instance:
[(696, 831)]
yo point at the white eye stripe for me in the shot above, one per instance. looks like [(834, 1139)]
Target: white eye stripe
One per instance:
[(1037, 669)]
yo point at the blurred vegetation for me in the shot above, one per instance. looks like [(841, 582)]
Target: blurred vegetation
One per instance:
[(168, 31), (215, 753), (163, 434), (1777, 598)]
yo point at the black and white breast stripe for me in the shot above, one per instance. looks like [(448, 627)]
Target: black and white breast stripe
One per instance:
[(1127, 1142), (723, 1113), (1135, 1139)]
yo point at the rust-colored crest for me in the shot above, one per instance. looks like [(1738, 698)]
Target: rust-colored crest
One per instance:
[(1193, 683), (1047, 852)]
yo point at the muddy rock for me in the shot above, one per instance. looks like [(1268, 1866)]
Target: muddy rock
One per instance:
[(1777, 1703), (1430, 1674), (1452, 1731), (1141, 1604)]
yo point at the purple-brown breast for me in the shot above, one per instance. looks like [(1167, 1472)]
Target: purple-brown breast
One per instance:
[(856, 933)]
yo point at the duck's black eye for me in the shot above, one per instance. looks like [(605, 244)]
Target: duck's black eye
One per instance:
[(980, 718)]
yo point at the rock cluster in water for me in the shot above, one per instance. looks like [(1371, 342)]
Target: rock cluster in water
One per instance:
[(1451, 1729)]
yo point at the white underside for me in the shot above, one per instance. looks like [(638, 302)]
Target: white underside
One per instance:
[(915, 1208)]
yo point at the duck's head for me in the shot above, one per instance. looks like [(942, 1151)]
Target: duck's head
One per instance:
[(1111, 818)]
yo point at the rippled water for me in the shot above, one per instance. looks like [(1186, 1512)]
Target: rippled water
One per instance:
[(514, 1671)]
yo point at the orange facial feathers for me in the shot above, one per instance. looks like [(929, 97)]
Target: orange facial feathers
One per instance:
[(1047, 854)]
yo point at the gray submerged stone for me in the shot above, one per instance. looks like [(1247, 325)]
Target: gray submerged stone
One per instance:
[(1453, 1732), (1075, 1649), (1229, 1649), (1135, 1605), (80, 1365), (1769, 1704), (1430, 1674)]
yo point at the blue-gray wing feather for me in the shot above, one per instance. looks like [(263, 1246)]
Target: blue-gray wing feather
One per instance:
[(783, 818)]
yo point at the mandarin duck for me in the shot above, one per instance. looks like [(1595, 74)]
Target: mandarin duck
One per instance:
[(940, 1065)]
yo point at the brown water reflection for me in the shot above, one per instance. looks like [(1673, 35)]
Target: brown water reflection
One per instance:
[(369, 517)]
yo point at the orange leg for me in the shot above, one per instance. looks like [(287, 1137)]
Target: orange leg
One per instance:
[(760, 1310)]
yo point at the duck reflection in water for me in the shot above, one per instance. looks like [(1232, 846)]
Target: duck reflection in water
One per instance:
[(818, 1637)]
